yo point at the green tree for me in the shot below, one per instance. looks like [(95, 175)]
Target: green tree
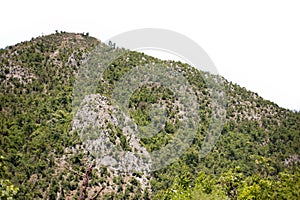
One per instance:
[(7, 189)]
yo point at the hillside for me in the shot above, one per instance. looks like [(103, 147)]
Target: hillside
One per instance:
[(62, 136)]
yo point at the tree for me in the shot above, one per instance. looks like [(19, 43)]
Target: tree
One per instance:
[(7, 189)]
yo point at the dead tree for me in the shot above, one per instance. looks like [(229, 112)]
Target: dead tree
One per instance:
[(86, 177)]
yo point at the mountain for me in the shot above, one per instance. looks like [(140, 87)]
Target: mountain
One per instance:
[(63, 135)]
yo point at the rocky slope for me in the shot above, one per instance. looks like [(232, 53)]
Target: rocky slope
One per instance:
[(62, 137)]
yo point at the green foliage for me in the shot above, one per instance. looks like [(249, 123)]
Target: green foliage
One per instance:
[(284, 186), (204, 188), (7, 189), (256, 157)]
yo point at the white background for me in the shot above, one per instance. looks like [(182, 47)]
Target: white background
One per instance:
[(253, 43)]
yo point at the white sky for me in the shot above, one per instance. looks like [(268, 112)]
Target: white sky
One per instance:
[(253, 43)]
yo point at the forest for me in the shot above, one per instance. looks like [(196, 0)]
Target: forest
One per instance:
[(43, 154)]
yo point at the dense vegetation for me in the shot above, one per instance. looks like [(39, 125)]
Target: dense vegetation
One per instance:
[(255, 157)]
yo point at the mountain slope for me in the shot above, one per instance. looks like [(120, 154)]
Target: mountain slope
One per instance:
[(46, 155)]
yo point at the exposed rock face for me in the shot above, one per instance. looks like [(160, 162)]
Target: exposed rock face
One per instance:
[(109, 145)]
